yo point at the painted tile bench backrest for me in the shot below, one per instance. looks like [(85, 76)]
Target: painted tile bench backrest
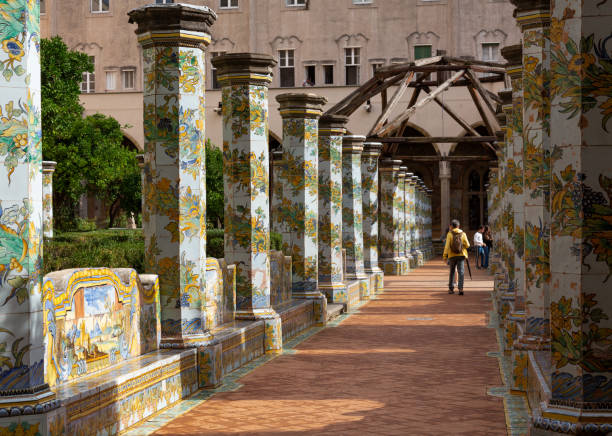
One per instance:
[(97, 317)]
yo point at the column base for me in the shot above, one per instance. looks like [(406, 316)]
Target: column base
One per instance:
[(364, 285), (273, 327), (392, 266), (569, 421), (420, 257), (376, 280), (513, 328)]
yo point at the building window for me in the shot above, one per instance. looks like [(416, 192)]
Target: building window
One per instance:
[(129, 78), (111, 80), (98, 6), (311, 79), (328, 74), (213, 71), (287, 70), (352, 61), (228, 4), (295, 2), (422, 51), (490, 51), (362, 2), (375, 68), (163, 2), (88, 85), (43, 6)]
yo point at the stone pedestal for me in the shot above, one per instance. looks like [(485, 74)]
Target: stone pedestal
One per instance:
[(331, 280), (390, 216), (299, 177), (173, 38), (369, 184), (245, 78), (48, 170), (352, 212)]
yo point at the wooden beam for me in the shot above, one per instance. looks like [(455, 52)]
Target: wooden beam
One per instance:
[(474, 62), (472, 77), (366, 86), (383, 98), (481, 111), (399, 92), (439, 158), (360, 99), (411, 110), (398, 68), (431, 139)]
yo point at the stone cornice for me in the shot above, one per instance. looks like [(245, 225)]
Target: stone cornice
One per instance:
[(300, 105)]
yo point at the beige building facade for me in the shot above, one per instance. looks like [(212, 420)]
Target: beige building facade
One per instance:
[(327, 47)]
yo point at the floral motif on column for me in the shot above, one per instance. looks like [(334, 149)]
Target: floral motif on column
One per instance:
[(352, 211), (21, 206), (581, 212), (48, 170), (369, 184), (245, 78), (173, 38), (331, 131), (390, 216), (300, 181)]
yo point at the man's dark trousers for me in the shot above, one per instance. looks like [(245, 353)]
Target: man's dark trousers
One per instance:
[(457, 262)]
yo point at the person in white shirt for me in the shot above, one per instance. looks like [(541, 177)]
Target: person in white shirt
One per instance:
[(479, 244)]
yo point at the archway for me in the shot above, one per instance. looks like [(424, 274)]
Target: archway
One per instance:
[(470, 163)]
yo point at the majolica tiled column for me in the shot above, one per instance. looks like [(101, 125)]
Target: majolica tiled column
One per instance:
[(413, 221), (419, 222), (352, 212), (331, 131), (48, 170), (244, 78), (173, 38), (369, 184), (21, 197), (408, 218), (276, 191), (390, 216), (402, 218), (534, 19), (428, 220), (300, 181), (581, 218)]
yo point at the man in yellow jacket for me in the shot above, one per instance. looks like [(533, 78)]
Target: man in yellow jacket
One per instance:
[(455, 251)]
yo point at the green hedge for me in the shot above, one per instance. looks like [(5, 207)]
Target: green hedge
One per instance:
[(115, 249), (108, 248)]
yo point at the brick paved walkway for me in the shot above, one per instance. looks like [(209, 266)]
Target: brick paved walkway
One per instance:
[(412, 362)]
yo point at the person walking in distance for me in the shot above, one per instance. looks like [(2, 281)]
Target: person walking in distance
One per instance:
[(480, 247), (455, 251), (488, 241)]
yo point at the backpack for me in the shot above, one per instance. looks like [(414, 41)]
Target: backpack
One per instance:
[(456, 244)]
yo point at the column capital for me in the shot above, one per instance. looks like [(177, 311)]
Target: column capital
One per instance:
[(300, 105), (173, 24), (514, 56), (48, 166), (389, 165), (332, 125), (445, 169), (352, 144), (244, 68), (372, 149), (402, 171), (531, 13)]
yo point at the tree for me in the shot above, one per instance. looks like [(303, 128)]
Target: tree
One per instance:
[(214, 184), (89, 152)]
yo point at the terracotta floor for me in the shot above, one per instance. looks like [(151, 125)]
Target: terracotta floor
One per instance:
[(412, 362)]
